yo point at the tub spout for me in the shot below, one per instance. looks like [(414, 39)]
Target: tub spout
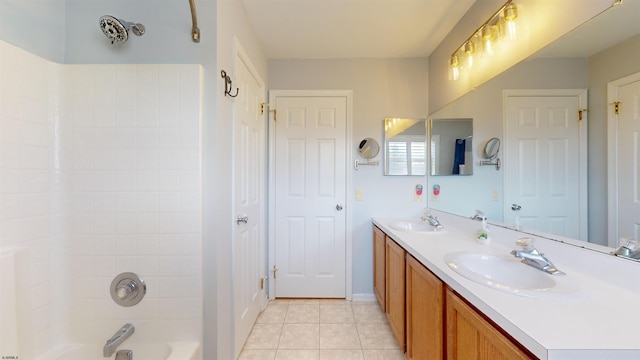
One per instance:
[(118, 338)]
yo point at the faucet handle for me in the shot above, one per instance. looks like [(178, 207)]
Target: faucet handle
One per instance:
[(526, 243)]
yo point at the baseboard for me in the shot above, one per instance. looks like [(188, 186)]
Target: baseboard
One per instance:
[(364, 298)]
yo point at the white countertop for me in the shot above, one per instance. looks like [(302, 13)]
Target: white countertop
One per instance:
[(601, 321)]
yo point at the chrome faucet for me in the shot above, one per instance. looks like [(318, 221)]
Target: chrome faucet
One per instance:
[(628, 248), (118, 338), (433, 221), (626, 252), (532, 257)]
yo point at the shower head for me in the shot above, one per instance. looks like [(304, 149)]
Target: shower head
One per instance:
[(118, 30)]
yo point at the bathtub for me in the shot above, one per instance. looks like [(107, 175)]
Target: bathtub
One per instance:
[(141, 351)]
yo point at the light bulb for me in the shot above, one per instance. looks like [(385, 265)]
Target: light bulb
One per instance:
[(454, 67), (469, 52), (489, 33), (510, 15)]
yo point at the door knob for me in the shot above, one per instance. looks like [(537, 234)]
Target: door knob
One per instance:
[(242, 219), (339, 207)]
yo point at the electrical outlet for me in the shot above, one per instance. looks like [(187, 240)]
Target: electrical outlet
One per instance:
[(494, 195), (358, 194)]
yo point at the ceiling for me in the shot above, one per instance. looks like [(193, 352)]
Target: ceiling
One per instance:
[(322, 29)]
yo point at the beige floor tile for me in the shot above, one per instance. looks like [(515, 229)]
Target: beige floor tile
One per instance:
[(383, 355), (335, 313), (326, 354), (264, 337), (339, 336), (257, 355), (300, 337), (376, 336), (273, 314), (297, 355), (368, 313), (302, 314)]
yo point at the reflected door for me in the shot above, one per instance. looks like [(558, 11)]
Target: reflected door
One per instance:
[(310, 193), (629, 161), (543, 165)]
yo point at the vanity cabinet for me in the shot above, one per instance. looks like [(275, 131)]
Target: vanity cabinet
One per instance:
[(425, 312), (471, 336), (417, 303), (395, 289), (379, 246)]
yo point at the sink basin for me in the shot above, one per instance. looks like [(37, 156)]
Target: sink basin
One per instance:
[(501, 272), (420, 226)]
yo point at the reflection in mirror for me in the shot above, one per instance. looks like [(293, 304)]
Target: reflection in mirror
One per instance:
[(368, 148), (451, 149), (491, 149), (405, 142), (602, 50)]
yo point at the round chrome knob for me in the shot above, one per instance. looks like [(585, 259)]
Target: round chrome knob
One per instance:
[(128, 289)]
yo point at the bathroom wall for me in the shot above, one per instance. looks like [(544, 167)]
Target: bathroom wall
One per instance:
[(32, 205), (100, 173), (135, 197), (381, 88)]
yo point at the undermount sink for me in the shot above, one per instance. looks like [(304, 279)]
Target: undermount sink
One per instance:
[(506, 273), (419, 226)]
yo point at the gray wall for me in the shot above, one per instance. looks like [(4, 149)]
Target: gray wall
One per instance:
[(381, 88)]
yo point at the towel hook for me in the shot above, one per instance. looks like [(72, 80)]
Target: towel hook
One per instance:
[(228, 85)]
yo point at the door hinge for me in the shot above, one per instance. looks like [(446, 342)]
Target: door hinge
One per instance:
[(616, 107), (580, 111), (262, 281), (263, 105), (274, 271)]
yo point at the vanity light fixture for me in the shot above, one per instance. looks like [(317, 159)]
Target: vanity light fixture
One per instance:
[(501, 25)]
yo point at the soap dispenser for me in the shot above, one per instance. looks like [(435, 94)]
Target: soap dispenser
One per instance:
[(482, 235)]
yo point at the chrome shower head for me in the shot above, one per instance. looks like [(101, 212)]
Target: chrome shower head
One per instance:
[(118, 30)]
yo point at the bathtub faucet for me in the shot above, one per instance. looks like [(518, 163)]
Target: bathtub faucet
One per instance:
[(118, 338)]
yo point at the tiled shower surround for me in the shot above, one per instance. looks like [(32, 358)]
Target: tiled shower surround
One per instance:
[(99, 174)]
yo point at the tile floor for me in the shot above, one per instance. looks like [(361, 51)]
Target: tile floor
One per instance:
[(321, 330)]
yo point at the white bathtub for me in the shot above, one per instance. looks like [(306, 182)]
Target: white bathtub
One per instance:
[(141, 351)]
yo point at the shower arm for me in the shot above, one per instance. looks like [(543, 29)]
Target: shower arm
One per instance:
[(195, 31)]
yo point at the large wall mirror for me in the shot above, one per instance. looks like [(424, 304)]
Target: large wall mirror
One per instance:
[(602, 50), (451, 145), (405, 145)]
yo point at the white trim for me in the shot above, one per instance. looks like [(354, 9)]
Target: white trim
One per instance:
[(583, 205), (612, 157), (348, 94), (368, 298)]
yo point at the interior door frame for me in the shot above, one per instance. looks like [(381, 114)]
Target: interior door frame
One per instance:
[(582, 151), (612, 156), (273, 95)]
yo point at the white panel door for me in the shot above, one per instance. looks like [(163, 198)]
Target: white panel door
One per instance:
[(310, 191), (629, 161), (249, 249), (542, 164)]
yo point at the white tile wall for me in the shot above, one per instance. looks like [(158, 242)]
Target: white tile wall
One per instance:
[(100, 174)]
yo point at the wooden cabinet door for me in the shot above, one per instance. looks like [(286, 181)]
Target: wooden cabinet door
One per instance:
[(425, 313), (379, 246), (471, 337), (395, 281)]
